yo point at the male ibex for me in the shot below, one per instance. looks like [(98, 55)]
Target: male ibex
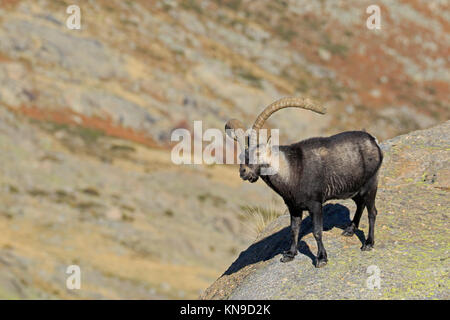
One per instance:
[(313, 171)]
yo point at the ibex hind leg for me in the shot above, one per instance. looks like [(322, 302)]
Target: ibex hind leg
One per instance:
[(369, 194), (372, 210), (315, 210), (353, 226), (362, 199)]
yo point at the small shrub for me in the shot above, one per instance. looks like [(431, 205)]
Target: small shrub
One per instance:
[(249, 77), (125, 148), (127, 218), (191, 5), (87, 205), (216, 200), (335, 48), (169, 213), (91, 192), (259, 217), (13, 189), (285, 32), (234, 4), (127, 208), (64, 197), (37, 193), (88, 135)]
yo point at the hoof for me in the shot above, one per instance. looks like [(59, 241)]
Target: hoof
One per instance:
[(287, 256), (367, 247), (349, 231), (321, 263)]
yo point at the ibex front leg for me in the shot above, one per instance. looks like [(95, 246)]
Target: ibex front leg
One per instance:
[(296, 220)]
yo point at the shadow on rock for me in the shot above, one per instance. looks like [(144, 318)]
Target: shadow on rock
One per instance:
[(334, 215)]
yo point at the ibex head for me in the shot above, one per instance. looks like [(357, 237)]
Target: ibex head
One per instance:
[(258, 154)]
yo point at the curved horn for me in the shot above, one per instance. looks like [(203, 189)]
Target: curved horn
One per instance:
[(304, 103), (236, 130)]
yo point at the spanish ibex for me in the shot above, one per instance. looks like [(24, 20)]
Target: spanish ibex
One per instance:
[(313, 171)]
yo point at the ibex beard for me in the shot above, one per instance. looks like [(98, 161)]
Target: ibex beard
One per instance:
[(309, 173)]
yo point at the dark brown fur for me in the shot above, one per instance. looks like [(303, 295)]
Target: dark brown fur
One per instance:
[(319, 169)]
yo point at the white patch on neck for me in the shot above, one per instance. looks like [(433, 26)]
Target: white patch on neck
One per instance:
[(279, 164)]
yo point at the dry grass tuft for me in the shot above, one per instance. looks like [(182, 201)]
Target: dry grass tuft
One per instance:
[(256, 218)]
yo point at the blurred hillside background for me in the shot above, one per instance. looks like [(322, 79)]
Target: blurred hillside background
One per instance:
[(86, 117)]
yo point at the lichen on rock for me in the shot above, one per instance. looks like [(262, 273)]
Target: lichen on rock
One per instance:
[(412, 237)]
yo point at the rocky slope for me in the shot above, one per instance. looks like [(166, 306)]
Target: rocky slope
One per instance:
[(138, 69), (411, 247), (86, 117), (137, 225)]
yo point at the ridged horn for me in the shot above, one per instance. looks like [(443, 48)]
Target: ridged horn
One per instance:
[(236, 130), (303, 103)]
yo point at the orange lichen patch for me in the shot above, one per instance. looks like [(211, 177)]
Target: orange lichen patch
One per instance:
[(368, 69), (9, 3), (4, 58), (413, 49), (441, 89), (361, 71), (67, 116), (424, 8), (379, 78)]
